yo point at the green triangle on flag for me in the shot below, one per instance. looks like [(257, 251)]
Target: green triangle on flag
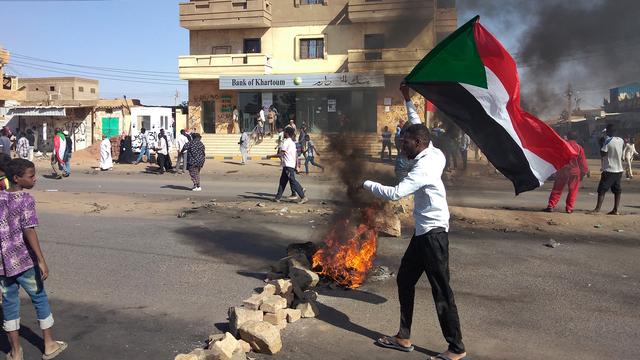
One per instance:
[(454, 59)]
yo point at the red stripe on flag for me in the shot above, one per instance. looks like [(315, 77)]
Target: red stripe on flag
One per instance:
[(535, 135), (428, 106)]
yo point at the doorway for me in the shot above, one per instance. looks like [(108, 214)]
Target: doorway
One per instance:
[(208, 116)]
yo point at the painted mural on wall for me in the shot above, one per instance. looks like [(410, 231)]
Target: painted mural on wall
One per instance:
[(398, 111)]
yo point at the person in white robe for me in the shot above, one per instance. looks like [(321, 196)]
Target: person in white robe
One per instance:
[(106, 161)]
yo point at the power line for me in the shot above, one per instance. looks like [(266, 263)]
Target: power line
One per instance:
[(49, 67), (70, 73), (26, 57)]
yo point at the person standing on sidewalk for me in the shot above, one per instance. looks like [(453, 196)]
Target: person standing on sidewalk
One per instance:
[(628, 153), (67, 154), (196, 157), (611, 154), (428, 251), (570, 175), (22, 262), (181, 141), (386, 142), (288, 155), (463, 146), (244, 147)]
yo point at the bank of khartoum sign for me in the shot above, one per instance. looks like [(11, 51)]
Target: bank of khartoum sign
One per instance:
[(306, 81)]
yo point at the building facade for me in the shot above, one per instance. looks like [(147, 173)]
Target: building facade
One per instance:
[(51, 89), (10, 93), (334, 65)]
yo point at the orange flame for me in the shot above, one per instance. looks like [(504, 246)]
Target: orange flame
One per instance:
[(348, 261)]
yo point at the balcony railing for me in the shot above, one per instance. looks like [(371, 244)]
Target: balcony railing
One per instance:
[(200, 67), (390, 10), (225, 14), (388, 61)]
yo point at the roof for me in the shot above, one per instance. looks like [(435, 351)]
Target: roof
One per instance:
[(56, 78), (37, 111), (117, 103)]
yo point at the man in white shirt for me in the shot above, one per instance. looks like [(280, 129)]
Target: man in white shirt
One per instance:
[(611, 153), (402, 163), (288, 155), (428, 250), (181, 141)]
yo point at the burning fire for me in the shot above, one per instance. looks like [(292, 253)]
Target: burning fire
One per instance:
[(347, 261)]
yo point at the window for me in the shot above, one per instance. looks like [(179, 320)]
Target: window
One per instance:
[(311, 2), (373, 42), (217, 50), (80, 89), (251, 46), (93, 90), (312, 48), (52, 88)]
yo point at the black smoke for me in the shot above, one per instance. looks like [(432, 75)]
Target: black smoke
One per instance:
[(592, 44)]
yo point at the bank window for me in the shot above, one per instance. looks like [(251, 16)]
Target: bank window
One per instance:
[(311, 2), (52, 88), (312, 48), (93, 90), (80, 89)]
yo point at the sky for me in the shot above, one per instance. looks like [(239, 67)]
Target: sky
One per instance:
[(142, 39)]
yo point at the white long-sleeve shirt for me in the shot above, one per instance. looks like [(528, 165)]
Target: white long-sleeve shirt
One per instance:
[(629, 151), (402, 163), (424, 181)]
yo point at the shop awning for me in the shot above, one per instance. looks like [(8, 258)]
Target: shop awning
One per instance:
[(37, 111)]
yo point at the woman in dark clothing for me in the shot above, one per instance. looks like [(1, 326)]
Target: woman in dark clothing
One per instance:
[(195, 159), (126, 152)]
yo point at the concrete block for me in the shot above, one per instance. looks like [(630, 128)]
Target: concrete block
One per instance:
[(268, 289), (308, 310), (273, 303), (244, 346), (293, 315), (304, 278), (262, 336), (283, 286), (253, 302), (225, 347), (238, 316)]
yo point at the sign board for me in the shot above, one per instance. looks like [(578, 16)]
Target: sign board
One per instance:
[(302, 81), (331, 105)]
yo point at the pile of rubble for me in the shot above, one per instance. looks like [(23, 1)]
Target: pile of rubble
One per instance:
[(255, 326)]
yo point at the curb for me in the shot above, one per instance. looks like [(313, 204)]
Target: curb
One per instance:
[(239, 158)]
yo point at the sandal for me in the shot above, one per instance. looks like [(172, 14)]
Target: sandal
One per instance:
[(61, 347), (391, 342), (19, 357)]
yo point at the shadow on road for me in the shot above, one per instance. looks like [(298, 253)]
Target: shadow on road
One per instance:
[(341, 320), (252, 249), (95, 332), (176, 187)]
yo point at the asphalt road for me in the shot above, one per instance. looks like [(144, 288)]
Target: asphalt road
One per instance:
[(136, 287)]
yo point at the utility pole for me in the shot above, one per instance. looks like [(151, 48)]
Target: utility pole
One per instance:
[(175, 98), (569, 95)]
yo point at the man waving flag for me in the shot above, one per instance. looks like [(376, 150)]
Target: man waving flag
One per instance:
[(471, 78)]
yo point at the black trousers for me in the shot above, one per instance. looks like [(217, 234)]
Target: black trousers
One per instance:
[(429, 253), (289, 176)]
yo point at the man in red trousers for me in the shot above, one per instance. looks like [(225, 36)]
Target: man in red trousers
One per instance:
[(570, 176)]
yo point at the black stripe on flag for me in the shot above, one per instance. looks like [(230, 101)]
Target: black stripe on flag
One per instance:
[(494, 141)]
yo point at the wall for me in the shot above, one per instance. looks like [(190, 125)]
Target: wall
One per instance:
[(77, 122), (65, 89), (224, 101), (156, 123), (398, 108), (103, 113)]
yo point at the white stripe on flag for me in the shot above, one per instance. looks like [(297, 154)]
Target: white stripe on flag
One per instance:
[(494, 101)]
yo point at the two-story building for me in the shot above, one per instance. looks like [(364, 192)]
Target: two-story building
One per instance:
[(332, 64), (10, 93)]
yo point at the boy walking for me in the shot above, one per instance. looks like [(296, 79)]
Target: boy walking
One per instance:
[(23, 264), (310, 153)]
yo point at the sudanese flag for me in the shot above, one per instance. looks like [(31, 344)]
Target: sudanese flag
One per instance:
[(471, 78)]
